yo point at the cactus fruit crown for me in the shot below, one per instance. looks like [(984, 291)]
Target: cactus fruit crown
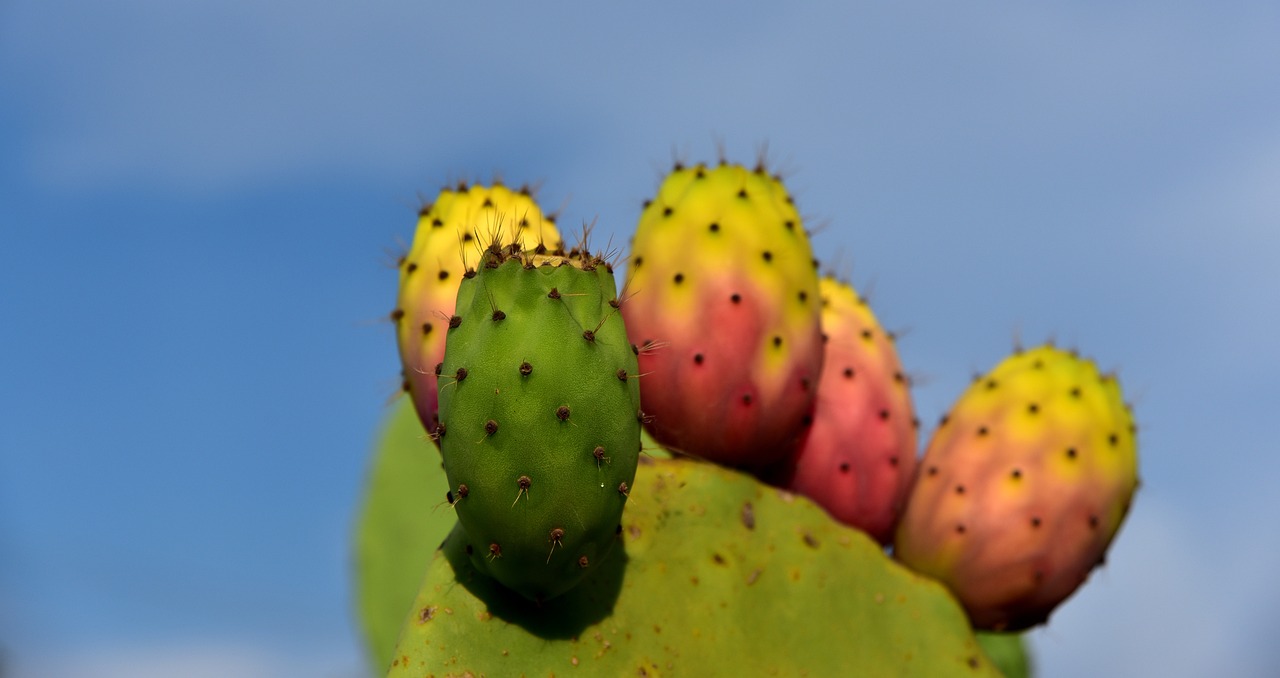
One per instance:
[(539, 416), (725, 311), (1023, 486), (450, 232)]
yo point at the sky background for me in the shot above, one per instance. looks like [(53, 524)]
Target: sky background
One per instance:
[(199, 202)]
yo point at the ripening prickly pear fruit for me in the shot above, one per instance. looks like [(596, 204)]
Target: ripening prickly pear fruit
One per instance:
[(451, 233), (858, 457), (1023, 487), (539, 417), (723, 303)]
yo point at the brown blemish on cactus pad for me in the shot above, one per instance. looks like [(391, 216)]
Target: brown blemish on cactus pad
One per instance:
[(499, 315), (491, 427), (454, 321), (583, 562), (748, 516), (553, 294), (460, 374), (810, 540), (525, 368), (622, 375), (751, 578), (495, 551), (426, 614), (622, 489), (562, 413)]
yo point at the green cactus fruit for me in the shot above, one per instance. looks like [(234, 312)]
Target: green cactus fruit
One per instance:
[(858, 457), (402, 521), (723, 301), (1023, 487), (450, 235), (719, 575), (539, 417)]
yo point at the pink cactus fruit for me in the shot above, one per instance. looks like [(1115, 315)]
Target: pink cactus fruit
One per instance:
[(858, 457), (1023, 487), (451, 235), (722, 302)]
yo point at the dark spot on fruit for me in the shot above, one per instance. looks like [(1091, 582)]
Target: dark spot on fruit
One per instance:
[(1016, 474), (933, 470), (443, 275), (959, 489), (884, 415), (666, 211), (768, 256), (439, 368), (637, 261), (679, 278), (789, 224), (804, 296), (746, 398), (396, 315), (848, 373), (426, 328), (943, 421), (454, 321), (1035, 521), (1093, 522), (1075, 392), (1113, 439), (991, 384), (960, 528), (562, 412), (844, 467), (697, 358), (866, 335), (411, 267), (491, 427), (982, 431), (714, 227), (742, 193), (777, 342), (468, 237), (488, 202), (436, 223), (1033, 408), (635, 349), (736, 298)]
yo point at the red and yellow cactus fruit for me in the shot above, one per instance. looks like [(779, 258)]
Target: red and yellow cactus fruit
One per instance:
[(858, 457), (1023, 487), (451, 235), (722, 301)]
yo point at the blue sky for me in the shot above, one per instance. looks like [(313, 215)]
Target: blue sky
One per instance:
[(197, 199)]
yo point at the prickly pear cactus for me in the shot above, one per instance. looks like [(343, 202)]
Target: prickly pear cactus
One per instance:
[(1023, 487), (451, 233), (858, 457), (716, 574), (539, 426), (723, 302), (403, 520)]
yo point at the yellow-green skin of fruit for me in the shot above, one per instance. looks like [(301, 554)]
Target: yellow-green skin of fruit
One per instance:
[(722, 280), (451, 234), (1022, 487)]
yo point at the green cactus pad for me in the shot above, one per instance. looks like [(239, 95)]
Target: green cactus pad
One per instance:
[(402, 522), (1008, 651), (717, 575)]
